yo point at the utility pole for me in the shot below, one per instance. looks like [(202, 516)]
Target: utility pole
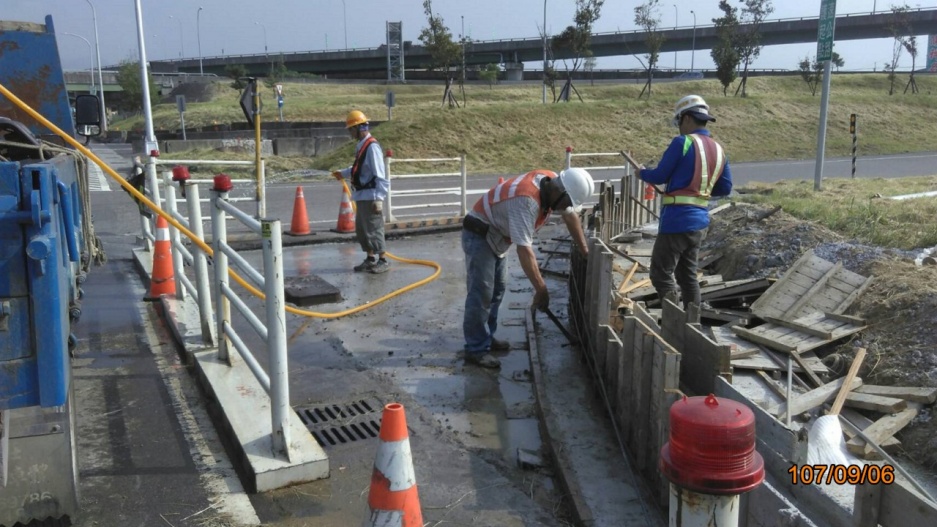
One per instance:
[(544, 97), (693, 47), (97, 47), (676, 22), (198, 34)]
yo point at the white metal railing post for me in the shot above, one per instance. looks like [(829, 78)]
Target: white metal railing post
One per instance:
[(262, 195), (276, 334), (569, 156), (464, 183), (178, 269), (388, 157), (201, 264), (219, 238)]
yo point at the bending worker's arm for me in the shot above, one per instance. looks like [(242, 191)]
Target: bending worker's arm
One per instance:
[(525, 253), (574, 226)]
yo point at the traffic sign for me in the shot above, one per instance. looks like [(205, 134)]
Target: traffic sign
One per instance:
[(825, 30), (247, 100)]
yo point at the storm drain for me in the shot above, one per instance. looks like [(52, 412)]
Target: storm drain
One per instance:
[(335, 425)]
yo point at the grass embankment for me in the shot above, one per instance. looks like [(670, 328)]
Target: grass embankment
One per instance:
[(505, 129)]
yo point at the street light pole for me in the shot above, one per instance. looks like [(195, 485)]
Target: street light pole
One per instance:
[(90, 49), (181, 45), (676, 22), (463, 47), (97, 46), (345, 23), (544, 95), (198, 34), (693, 52)]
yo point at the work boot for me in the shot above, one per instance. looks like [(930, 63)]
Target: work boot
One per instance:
[(366, 265), (485, 360), (382, 266), (500, 345)]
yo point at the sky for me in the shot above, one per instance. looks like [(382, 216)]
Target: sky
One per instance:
[(174, 28)]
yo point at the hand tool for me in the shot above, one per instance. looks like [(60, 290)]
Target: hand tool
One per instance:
[(569, 336)]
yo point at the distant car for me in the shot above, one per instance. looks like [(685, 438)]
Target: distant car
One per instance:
[(690, 75)]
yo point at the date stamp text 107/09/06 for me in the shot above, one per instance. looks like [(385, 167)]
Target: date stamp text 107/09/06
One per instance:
[(824, 473)]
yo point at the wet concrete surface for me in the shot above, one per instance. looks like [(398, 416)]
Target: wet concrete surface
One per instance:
[(466, 423)]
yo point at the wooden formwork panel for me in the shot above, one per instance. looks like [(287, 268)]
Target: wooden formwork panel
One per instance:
[(802, 334), (811, 285)]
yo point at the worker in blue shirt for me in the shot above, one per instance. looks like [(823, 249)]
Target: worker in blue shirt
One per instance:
[(693, 169)]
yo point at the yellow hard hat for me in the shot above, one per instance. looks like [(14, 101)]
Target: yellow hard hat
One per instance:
[(355, 117)]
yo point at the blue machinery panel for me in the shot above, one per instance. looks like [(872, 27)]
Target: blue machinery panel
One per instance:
[(39, 253)]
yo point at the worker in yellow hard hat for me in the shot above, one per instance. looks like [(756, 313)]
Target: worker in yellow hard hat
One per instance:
[(370, 186)]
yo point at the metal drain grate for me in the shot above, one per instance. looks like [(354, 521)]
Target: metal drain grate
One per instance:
[(335, 425)]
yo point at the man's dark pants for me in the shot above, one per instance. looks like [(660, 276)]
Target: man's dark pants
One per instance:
[(675, 256)]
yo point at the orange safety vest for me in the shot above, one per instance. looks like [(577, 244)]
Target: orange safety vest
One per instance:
[(526, 185), (359, 161), (710, 162)]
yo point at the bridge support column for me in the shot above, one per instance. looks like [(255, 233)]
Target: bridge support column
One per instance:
[(514, 71)]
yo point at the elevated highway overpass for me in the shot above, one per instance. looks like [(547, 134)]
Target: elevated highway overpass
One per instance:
[(513, 52)]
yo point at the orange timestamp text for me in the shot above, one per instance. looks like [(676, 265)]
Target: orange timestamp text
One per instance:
[(829, 474)]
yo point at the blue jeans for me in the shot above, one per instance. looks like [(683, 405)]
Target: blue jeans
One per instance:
[(485, 282)]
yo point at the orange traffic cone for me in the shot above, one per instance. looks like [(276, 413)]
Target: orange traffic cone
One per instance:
[(346, 216), (163, 280), (300, 224), (648, 192), (393, 497)]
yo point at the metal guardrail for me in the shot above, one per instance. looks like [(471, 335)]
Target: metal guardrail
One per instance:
[(462, 190), (273, 330)]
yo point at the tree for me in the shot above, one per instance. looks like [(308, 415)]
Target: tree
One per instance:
[(748, 43), (443, 51), (490, 74), (576, 40), (590, 67), (910, 44), (647, 17), (811, 73), (899, 29), (236, 72), (724, 53), (128, 76), (278, 71), (838, 61)]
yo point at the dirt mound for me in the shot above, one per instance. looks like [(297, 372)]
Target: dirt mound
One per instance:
[(900, 306)]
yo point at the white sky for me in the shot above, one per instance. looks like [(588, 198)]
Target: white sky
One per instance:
[(244, 27)]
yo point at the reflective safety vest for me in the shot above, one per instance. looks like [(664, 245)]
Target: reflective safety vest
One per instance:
[(356, 167), (710, 162), (526, 185)]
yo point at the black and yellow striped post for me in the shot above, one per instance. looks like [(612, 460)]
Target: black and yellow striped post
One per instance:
[(854, 130)]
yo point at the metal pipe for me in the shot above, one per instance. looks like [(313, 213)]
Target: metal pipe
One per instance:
[(198, 34), (544, 95), (219, 232), (201, 265), (276, 336)]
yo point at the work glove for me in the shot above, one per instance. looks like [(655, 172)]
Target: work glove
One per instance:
[(377, 207), (542, 299), (337, 175)]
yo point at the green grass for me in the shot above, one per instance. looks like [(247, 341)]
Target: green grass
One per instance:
[(859, 208), (507, 130)]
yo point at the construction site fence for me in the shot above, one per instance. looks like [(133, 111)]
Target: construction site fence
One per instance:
[(642, 363), (634, 204), (443, 192)]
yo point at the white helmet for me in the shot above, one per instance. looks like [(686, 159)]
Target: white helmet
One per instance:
[(694, 104), (578, 184)]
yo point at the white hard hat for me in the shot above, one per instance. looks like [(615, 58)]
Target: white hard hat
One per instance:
[(691, 104), (578, 184)]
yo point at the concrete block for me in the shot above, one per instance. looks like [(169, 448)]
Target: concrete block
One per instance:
[(294, 147), (243, 408)]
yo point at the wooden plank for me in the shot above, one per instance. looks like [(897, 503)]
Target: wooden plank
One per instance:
[(628, 276), (633, 286), (807, 370), (876, 403), (850, 375), (641, 387), (844, 305), (813, 398), (862, 422), (867, 505), (759, 306), (625, 367), (802, 328), (613, 355), (846, 318), (918, 395), (778, 390), (882, 429), (750, 335)]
